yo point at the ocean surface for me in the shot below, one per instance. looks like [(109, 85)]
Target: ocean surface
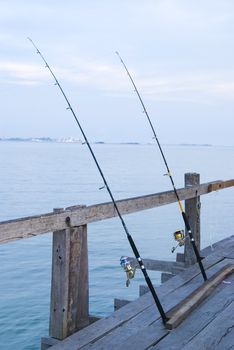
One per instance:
[(37, 177)]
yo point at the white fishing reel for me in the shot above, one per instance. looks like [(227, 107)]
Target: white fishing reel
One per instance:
[(130, 271), (179, 236)]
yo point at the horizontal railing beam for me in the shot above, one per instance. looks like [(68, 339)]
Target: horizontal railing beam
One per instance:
[(78, 215), (160, 265)]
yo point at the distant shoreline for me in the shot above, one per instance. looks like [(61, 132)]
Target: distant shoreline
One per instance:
[(72, 140)]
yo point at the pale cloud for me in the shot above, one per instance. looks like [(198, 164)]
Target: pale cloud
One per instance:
[(188, 12), (225, 89), (21, 73), (179, 52), (15, 10), (111, 79), (204, 89)]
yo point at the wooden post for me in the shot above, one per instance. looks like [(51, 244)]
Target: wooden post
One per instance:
[(192, 209), (69, 286)]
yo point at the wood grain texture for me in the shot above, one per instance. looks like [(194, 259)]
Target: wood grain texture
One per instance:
[(79, 215), (198, 320), (217, 335), (166, 276), (118, 303), (131, 333), (192, 210), (47, 342), (78, 306), (175, 289), (69, 286), (59, 284), (220, 185), (160, 265), (185, 307)]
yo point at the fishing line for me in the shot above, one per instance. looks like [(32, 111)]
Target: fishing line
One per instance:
[(185, 218), (129, 237)]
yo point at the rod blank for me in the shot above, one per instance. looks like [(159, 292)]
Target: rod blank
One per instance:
[(129, 237), (185, 218)]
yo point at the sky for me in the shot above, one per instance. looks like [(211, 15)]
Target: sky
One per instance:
[(179, 52)]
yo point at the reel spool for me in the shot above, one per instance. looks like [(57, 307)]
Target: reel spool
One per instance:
[(130, 271), (179, 236)]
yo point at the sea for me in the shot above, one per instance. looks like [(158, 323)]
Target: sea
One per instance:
[(36, 177)]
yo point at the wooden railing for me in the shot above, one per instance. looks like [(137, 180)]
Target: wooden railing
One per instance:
[(69, 287)]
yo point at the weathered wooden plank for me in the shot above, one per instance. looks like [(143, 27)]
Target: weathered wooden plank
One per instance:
[(180, 257), (138, 333), (128, 332), (143, 289), (130, 311), (224, 248), (166, 276), (160, 265), (93, 318), (145, 337), (230, 255), (118, 303), (209, 261), (132, 205), (198, 320), (47, 342), (192, 210), (35, 225), (119, 335), (215, 186), (78, 307), (216, 251), (69, 287), (218, 335), (59, 285), (185, 307)]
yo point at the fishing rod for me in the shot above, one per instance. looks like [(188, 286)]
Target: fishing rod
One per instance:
[(185, 217), (124, 263)]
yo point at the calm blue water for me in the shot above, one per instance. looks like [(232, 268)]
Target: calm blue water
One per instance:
[(36, 177)]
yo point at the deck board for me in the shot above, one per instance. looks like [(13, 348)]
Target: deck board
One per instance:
[(145, 336), (218, 334), (222, 248), (126, 313), (191, 302), (222, 297), (138, 324)]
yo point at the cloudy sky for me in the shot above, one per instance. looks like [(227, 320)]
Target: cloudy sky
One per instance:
[(180, 54)]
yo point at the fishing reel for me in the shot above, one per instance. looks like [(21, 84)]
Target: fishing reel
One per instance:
[(130, 271), (179, 236)]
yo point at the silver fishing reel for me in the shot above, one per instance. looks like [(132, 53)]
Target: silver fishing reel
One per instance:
[(179, 236), (130, 271)]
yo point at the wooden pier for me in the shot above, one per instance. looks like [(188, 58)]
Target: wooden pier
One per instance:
[(136, 325)]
